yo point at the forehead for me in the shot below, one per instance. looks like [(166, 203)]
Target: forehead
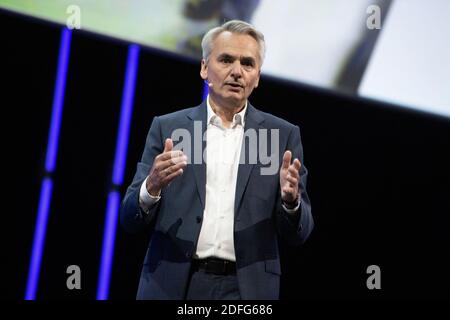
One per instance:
[(236, 44)]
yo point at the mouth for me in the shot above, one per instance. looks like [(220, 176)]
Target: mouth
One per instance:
[(234, 85)]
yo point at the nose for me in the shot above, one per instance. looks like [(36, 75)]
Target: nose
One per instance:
[(236, 70)]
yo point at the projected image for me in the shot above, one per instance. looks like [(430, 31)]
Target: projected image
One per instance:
[(410, 65), (175, 25), (303, 41), (323, 43)]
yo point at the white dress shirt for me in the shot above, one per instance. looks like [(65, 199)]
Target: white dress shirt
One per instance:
[(222, 162), (223, 149)]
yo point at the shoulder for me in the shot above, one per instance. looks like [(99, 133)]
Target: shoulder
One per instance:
[(177, 115), (273, 121)]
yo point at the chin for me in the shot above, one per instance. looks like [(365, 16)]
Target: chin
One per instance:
[(232, 97), (235, 96)]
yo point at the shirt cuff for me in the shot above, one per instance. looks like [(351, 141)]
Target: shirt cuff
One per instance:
[(146, 200), (293, 210)]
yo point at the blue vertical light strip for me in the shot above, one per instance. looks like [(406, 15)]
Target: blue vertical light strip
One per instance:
[(39, 238), (50, 163), (58, 100), (125, 114), (205, 90), (109, 234), (112, 206)]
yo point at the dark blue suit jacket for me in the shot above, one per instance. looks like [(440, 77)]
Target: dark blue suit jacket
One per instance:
[(175, 220)]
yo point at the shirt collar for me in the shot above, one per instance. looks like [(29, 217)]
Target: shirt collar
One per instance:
[(238, 118)]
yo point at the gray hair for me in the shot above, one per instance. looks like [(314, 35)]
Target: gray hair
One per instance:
[(233, 26)]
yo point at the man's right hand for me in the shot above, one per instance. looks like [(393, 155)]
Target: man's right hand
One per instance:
[(167, 166)]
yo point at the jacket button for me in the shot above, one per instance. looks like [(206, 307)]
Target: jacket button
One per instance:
[(188, 254), (198, 219)]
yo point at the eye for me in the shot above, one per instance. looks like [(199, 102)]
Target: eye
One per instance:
[(247, 63), (226, 60)]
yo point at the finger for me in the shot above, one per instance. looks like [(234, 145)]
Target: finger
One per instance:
[(168, 145), (179, 165), (172, 176), (293, 181), (297, 164), (293, 171), (169, 155), (177, 158), (167, 167), (286, 159)]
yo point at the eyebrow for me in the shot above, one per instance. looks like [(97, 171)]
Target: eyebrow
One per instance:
[(229, 56), (226, 56)]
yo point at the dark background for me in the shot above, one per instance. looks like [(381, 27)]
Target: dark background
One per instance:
[(379, 177)]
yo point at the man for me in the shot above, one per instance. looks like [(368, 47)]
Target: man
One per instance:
[(215, 222)]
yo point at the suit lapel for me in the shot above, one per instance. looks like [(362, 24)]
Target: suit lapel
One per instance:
[(199, 118), (253, 120)]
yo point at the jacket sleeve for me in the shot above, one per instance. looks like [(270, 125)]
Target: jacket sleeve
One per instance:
[(296, 227), (132, 217)]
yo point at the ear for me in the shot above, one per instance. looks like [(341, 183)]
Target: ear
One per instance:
[(204, 70)]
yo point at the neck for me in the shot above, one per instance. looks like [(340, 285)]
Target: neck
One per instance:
[(226, 111)]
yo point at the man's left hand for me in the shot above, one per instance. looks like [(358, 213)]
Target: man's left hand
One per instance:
[(289, 178)]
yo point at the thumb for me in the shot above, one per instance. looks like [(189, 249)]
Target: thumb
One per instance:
[(168, 145), (286, 159)]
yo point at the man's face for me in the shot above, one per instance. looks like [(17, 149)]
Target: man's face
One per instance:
[(233, 68)]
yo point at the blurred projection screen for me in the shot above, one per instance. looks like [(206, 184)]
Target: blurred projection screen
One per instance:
[(308, 41), (410, 64)]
